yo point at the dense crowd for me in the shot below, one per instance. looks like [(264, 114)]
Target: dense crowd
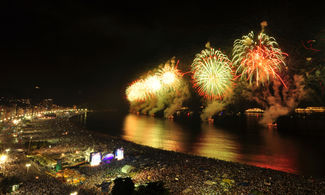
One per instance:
[(180, 173)]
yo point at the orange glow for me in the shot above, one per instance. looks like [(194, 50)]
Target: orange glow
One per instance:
[(262, 63), (153, 132), (215, 143), (258, 58)]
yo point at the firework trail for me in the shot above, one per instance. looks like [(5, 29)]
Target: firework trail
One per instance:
[(258, 59)]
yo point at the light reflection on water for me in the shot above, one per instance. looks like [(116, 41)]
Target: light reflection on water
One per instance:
[(258, 147), (244, 142), (153, 132), (271, 151), (216, 143)]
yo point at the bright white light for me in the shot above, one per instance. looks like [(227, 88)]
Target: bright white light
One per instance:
[(28, 165), (15, 121), (73, 193), (119, 154), (95, 159), (3, 158), (28, 117), (168, 78), (153, 83)]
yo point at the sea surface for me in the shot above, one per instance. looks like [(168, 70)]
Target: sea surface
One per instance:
[(252, 144)]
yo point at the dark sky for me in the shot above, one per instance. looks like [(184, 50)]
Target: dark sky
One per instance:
[(88, 51)]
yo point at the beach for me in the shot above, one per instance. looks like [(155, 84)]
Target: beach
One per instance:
[(180, 173)]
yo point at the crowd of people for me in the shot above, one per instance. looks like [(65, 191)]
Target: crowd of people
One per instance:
[(180, 173)]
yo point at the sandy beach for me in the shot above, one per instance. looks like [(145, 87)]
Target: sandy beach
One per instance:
[(180, 173)]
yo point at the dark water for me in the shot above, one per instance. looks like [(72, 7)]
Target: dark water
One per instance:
[(264, 147)]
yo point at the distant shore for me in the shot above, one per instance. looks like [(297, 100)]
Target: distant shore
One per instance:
[(180, 173)]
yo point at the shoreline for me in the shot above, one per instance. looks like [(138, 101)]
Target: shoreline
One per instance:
[(181, 173)]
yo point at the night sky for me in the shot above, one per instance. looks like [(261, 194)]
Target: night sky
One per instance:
[(88, 52)]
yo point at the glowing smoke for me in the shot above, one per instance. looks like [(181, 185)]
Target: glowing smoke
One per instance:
[(282, 102), (211, 109), (176, 102)]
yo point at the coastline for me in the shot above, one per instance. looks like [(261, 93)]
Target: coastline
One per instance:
[(180, 173)]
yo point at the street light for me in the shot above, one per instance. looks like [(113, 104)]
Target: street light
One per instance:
[(27, 166), (15, 121)]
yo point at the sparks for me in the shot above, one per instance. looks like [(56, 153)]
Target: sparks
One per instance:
[(258, 61), (212, 74), (170, 76)]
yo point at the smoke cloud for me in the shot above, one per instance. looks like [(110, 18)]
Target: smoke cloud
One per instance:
[(215, 106), (211, 109), (282, 102), (175, 103)]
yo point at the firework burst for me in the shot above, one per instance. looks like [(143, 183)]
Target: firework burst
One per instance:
[(170, 76), (153, 85), (258, 60), (136, 92), (144, 89), (164, 80), (212, 74)]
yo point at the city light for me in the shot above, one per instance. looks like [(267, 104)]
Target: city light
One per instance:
[(28, 117), (15, 121), (27, 166), (3, 158)]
